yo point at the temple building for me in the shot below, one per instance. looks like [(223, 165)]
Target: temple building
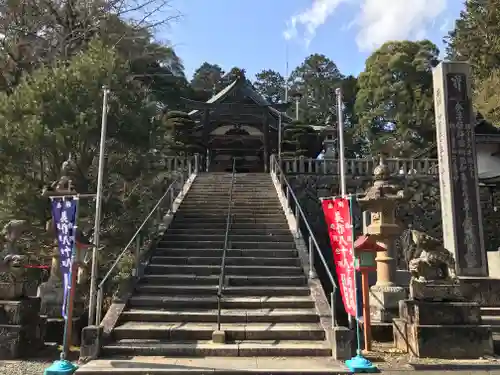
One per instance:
[(238, 123)]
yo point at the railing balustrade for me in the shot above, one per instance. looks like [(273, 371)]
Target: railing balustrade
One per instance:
[(359, 167)]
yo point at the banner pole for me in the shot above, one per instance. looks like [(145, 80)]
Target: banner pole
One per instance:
[(357, 364)]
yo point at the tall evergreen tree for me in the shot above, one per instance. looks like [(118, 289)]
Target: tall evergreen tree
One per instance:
[(395, 98)]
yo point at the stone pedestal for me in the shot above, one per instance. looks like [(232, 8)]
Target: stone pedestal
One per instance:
[(442, 330), (384, 302), (21, 328), (51, 294), (91, 342)]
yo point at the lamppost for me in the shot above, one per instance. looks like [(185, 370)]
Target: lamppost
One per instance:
[(98, 202), (297, 96)]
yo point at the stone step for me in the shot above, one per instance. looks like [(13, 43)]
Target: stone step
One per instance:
[(269, 281), (210, 202), (204, 270), (242, 245), (236, 211), (213, 201), (490, 311), (221, 183), (279, 253), (207, 290), (263, 192), (238, 199), (203, 331), (208, 348), (225, 185), (493, 321), (230, 261), (237, 216), (221, 225), (235, 220), (227, 316), (203, 237), (234, 232), (210, 302)]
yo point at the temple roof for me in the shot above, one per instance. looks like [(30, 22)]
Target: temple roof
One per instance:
[(243, 88)]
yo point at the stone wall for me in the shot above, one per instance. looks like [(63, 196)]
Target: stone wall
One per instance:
[(422, 211)]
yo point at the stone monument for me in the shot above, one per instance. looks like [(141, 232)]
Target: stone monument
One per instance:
[(21, 328), (458, 178), (381, 200), (436, 321), (51, 292)]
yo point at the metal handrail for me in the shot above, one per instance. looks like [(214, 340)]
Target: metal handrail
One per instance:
[(224, 251), (313, 243), (135, 238)]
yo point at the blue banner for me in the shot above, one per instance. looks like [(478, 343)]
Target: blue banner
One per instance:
[(64, 211)]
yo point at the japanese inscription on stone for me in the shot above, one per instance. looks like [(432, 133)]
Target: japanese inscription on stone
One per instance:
[(463, 172)]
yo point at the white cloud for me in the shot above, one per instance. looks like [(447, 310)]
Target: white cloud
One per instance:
[(310, 19), (377, 21), (382, 20)]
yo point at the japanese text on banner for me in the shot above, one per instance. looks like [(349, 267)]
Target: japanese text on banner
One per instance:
[(64, 214), (338, 218)]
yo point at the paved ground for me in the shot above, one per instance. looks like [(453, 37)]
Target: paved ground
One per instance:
[(388, 360), (210, 364), (35, 365)]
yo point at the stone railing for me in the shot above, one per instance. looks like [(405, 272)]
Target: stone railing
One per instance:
[(359, 167)]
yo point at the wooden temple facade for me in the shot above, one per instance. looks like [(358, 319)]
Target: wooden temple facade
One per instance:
[(238, 123)]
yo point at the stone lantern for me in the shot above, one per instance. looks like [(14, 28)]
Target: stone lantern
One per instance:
[(380, 201), (330, 138)]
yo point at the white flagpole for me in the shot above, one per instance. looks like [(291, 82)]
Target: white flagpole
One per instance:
[(286, 73), (343, 186), (340, 119)]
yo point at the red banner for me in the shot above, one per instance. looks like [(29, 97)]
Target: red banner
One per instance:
[(338, 218)]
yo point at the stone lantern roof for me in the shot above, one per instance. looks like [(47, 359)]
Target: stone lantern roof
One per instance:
[(382, 188)]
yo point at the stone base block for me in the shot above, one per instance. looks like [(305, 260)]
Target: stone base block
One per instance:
[(439, 313), (384, 302), (17, 341), (343, 342), (20, 312), (382, 332), (55, 331), (91, 342), (381, 315), (11, 290), (436, 291), (439, 341), (219, 337)]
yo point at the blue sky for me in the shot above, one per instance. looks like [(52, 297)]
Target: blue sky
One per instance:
[(255, 34)]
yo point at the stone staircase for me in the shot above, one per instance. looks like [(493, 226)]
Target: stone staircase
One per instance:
[(491, 316), (267, 309)]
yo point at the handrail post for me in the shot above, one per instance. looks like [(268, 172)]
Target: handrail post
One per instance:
[(196, 163), (137, 255), (98, 313), (219, 336), (312, 271), (332, 306), (297, 222)]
